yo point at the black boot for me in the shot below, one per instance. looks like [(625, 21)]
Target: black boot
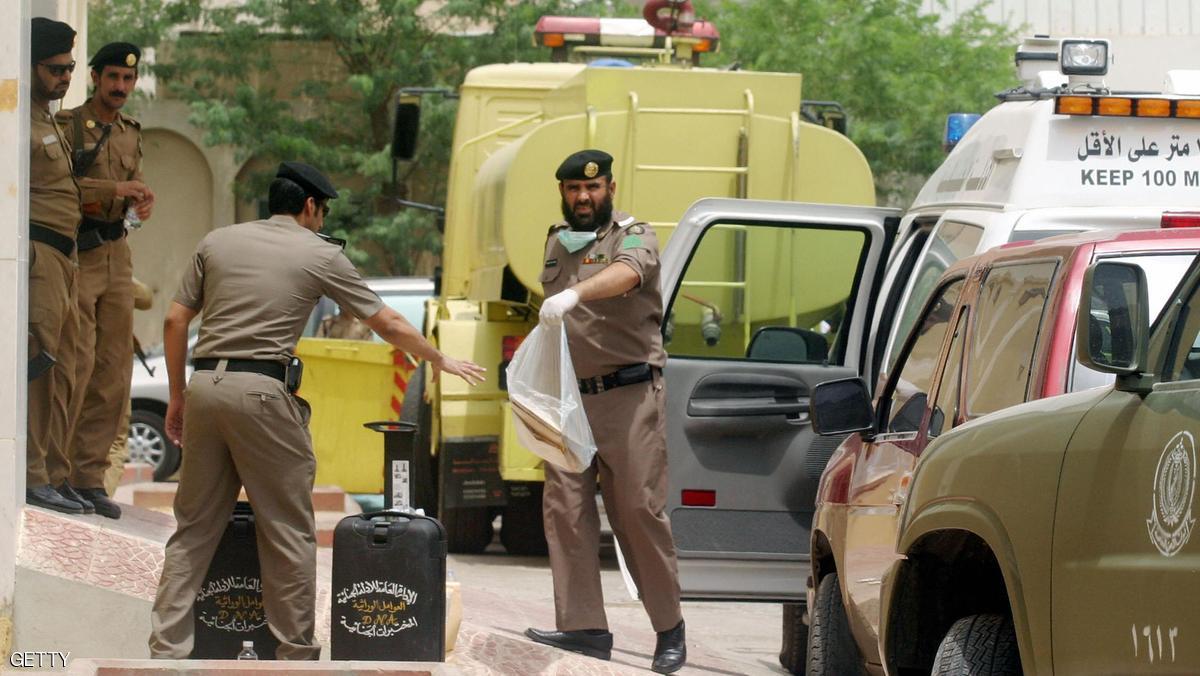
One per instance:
[(670, 652), (105, 506), (46, 496), (69, 493), (591, 642)]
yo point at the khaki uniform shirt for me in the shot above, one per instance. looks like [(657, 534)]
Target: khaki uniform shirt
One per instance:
[(120, 159), (257, 284), (54, 196), (611, 333)]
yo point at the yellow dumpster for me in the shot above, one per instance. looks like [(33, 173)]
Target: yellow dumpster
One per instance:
[(348, 383)]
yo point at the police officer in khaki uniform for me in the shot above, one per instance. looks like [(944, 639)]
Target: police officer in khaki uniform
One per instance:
[(601, 275), (256, 284), (107, 152), (54, 214)]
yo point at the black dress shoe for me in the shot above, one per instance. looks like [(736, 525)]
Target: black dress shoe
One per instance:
[(46, 496), (670, 652), (591, 642), (69, 493), (105, 506)]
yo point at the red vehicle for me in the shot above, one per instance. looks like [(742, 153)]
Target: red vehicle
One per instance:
[(999, 330)]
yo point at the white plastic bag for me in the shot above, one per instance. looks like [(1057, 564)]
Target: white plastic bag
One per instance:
[(546, 405)]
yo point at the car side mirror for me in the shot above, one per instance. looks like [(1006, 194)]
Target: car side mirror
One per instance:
[(1112, 327), (406, 128), (840, 407)]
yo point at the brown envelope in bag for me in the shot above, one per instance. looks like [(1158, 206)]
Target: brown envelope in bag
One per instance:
[(543, 438)]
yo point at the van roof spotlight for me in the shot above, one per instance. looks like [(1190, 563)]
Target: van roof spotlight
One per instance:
[(1084, 57)]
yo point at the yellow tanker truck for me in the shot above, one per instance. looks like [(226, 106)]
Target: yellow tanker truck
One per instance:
[(678, 132)]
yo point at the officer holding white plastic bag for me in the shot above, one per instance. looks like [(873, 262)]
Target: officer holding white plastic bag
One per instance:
[(601, 275)]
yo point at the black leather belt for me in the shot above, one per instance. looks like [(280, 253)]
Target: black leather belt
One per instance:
[(93, 233), (267, 368), (630, 375), (43, 235)]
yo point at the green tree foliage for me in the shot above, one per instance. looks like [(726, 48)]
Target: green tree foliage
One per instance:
[(316, 80), (897, 71)]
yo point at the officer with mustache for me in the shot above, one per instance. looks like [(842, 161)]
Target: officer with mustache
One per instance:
[(107, 150)]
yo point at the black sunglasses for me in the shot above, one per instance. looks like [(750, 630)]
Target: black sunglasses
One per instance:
[(58, 70)]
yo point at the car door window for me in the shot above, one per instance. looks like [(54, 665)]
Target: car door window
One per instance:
[(909, 395), (1183, 361), (1008, 318), (1163, 274), (766, 293), (945, 412), (952, 242)]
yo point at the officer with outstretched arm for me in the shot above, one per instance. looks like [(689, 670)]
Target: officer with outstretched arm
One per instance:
[(240, 422)]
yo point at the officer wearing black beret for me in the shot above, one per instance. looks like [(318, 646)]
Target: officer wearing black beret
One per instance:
[(601, 276), (256, 284), (106, 146), (54, 214)]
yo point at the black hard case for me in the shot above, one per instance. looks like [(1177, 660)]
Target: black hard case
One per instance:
[(229, 608), (389, 588)]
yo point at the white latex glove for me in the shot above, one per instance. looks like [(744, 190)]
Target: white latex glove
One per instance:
[(554, 307)]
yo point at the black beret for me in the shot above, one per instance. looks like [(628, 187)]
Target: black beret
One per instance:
[(117, 54), (585, 164), (308, 177), (49, 38)]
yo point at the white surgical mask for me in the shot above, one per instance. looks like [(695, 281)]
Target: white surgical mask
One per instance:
[(574, 240)]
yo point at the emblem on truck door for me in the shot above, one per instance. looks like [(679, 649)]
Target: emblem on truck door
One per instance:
[(1170, 523)]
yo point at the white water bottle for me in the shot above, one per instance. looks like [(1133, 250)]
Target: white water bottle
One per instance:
[(132, 220), (247, 651)]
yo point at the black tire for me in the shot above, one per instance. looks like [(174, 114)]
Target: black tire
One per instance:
[(979, 645), (794, 649), (522, 529), (831, 648), (148, 443)]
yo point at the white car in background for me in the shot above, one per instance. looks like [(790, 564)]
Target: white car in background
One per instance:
[(149, 393)]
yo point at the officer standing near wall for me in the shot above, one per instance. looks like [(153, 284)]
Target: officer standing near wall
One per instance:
[(601, 273), (257, 284), (107, 153), (54, 202)]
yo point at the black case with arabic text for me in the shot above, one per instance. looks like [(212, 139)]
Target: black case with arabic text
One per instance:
[(389, 588), (229, 608)]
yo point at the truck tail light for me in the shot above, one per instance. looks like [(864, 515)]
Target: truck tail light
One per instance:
[(553, 40), (1180, 219), (508, 347), (693, 497)]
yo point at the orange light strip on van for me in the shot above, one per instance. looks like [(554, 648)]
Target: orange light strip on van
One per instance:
[(1124, 106)]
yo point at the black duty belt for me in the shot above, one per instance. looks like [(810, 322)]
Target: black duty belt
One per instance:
[(267, 368), (630, 375), (93, 233), (42, 234)]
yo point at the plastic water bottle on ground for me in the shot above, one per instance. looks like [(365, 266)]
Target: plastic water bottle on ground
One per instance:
[(247, 651)]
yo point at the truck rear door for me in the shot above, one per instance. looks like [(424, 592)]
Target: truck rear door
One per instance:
[(764, 300)]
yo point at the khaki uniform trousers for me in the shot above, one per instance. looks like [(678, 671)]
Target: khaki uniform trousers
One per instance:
[(631, 460), (53, 324), (118, 453), (242, 429), (103, 358)]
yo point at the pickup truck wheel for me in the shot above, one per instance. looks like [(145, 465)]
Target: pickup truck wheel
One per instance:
[(979, 645), (831, 649), (148, 443), (468, 529), (794, 649), (522, 530)]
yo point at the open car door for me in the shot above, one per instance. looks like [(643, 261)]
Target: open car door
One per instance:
[(763, 301)]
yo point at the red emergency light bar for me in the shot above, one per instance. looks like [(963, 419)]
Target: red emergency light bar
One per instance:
[(1180, 219), (559, 31)]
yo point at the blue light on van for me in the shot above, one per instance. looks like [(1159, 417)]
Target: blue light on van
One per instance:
[(957, 125), (609, 62)]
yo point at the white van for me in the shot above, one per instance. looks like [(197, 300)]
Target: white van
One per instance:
[(1059, 154)]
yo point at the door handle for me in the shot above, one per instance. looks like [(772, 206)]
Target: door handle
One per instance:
[(743, 406)]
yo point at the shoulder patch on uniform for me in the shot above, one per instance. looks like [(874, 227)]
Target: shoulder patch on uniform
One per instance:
[(631, 242), (130, 120), (636, 229)]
